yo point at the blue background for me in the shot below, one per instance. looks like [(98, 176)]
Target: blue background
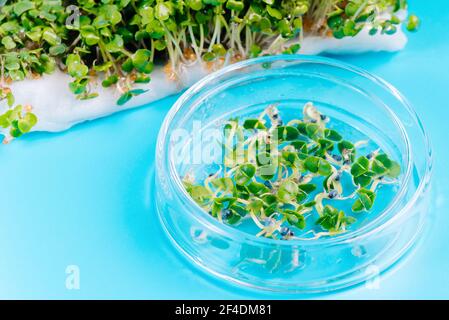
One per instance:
[(84, 197)]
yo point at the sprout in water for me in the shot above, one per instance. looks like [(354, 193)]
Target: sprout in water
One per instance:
[(287, 176)]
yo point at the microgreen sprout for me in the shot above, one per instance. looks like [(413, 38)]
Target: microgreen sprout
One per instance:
[(293, 180), (17, 119), (117, 42)]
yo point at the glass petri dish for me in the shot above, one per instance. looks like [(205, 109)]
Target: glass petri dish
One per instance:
[(368, 104)]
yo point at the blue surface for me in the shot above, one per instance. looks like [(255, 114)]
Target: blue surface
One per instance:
[(83, 197)]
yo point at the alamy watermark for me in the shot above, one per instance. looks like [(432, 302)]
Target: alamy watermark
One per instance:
[(73, 277)]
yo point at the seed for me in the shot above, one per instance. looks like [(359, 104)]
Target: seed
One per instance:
[(332, 194), (285, 231), (268, 139), (226, 214), (338, 177), (5, 90)]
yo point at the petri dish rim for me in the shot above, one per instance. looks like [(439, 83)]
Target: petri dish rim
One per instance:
[(198, 213)]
